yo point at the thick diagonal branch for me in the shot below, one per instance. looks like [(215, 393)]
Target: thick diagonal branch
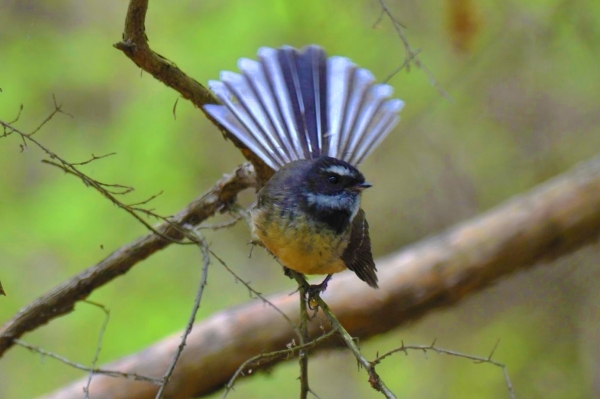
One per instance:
[(135, 46), (62, 299), (549, 221)]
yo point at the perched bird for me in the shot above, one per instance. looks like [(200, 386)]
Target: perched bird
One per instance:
[(312, 119)]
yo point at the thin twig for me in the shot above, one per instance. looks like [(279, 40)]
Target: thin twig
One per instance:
[(86, 389), (270, 356), (411, 54), (57, 110), (88, 181), (374, 379), (303, 354), (93, 158), (144, 202), (224, 225), (175, 108), (109, 373), (201, 243), (258, 295), (18, 115), (477, 359), (378, 20), (405, 64), (122, 189), (314, 393), (301, 331)]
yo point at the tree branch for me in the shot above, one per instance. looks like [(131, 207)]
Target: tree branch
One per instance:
[(549, 221), (62, 299), (135, 46)]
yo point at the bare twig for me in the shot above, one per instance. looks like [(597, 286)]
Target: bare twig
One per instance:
[(18, 115), (314, 393), (259, 295), (175, 108), (108, 373), (477, 359), (201, 243), (378, 20), (57, 110), (72, 169), (223, 225), (303, 354), (86, 389), (301, 332), (146, 200), (93, 158), (411, 54), (405, 64), (374, 379), (120, 189), (266, 358)]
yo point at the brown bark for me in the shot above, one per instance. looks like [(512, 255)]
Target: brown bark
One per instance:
[(551, 220)]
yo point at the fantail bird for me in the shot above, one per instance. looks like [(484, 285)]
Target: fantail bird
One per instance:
[(311, 119)]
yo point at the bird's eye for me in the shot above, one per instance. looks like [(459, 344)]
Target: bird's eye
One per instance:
[(333, 179)]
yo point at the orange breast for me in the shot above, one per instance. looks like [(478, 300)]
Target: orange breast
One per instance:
[(300, 245)]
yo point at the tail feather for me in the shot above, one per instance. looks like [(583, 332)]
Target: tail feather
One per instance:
[(280, 97), (294, 104), (381, 124), (297, 75), (257, 74), (356, 111), (233, 124), (375, 113), (241, 116), (339, 82), (308, 81)]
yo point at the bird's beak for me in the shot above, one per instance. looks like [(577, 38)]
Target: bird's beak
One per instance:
[(360, 187)]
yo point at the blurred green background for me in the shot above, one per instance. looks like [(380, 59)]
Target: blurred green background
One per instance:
[(523, 79)]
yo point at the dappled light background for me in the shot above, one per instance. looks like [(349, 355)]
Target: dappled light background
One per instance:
[(522, 86)]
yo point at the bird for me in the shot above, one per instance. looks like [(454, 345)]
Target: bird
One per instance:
[(313, 119)]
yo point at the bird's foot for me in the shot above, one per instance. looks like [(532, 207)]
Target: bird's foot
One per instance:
[(287, 272), (314, 290)]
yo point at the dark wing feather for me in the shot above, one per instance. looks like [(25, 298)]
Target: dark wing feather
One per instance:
[(357, 255)]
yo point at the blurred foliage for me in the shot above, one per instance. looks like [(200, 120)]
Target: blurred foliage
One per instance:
[(523, 81)]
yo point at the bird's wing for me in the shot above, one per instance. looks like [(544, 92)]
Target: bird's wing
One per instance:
[(357, 255)]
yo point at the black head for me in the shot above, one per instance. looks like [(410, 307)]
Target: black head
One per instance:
[(332, 191), (331, 177)]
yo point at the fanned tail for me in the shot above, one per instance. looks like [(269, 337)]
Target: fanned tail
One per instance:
[(294, 105)]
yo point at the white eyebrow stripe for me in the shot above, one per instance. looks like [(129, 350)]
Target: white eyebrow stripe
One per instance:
[(340, 170)]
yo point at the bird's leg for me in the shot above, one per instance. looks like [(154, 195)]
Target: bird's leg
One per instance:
[(314, 289), (287, 272)]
